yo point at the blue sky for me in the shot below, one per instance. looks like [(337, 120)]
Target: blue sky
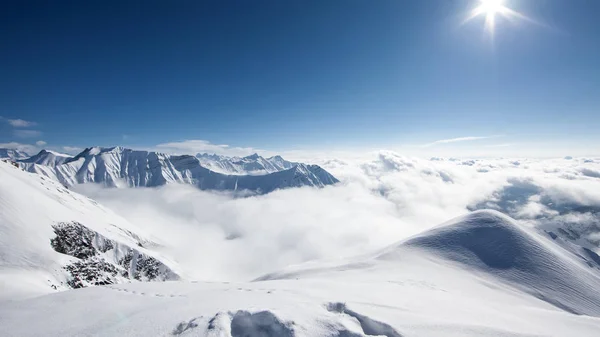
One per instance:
[(291, 75)]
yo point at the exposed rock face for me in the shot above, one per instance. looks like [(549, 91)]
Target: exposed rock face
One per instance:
[(92, 271), (103, 261)]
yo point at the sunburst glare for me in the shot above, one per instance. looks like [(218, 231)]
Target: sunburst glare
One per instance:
[(490, 9)]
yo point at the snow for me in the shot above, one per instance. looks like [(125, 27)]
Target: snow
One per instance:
[(45, 157), (252, 164), (121, 167), (30, 205), (411, 295), (481, 274), (12, 154)]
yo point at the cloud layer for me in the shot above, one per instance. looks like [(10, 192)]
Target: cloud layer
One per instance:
[(381, 200)]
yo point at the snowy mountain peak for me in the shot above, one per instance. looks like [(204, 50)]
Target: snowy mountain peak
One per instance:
[(96, 150), (122, 167), (253, 164), (213, 156), (46, 157), (12, 154)]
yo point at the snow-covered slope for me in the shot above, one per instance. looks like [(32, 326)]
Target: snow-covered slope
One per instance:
[(12, 154), (46, 157), (494, 245), (120, 167), (478, 275), (53, 239), (253, 164)]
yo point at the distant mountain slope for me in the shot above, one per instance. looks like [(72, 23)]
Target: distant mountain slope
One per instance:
[(52, 239), (12, 154), (46, 157), (253, 164), (120, 167)]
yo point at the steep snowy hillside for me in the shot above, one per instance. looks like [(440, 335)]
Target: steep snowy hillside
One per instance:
[(54, 239), (120, 167), (478, 275), (253, 164), (12, 154), (45, 157)]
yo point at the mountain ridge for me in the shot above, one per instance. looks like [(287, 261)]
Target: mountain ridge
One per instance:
[(253, 164), (122, 167)]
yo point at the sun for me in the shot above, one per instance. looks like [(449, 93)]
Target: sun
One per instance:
[(490, 9)]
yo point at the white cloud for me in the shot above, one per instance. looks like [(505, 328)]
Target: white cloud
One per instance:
[(27, 133), (380, 201), (27, 148), (200, 146), (455, 140), (227, 238), (72, 149), (32, 149), (20, 123), (501, 145)]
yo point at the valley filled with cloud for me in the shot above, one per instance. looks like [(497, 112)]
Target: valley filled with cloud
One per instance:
[(382, 198)]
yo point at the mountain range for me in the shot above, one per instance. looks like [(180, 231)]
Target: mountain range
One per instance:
[(122, 167), (253, 164), (481, 274), (13, 154)]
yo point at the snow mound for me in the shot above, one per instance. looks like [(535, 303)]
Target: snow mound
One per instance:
[(493, 244)]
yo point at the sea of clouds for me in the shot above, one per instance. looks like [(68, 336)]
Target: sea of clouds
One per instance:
[(382, 198)]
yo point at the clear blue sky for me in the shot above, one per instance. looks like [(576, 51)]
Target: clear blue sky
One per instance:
[(294, 74)]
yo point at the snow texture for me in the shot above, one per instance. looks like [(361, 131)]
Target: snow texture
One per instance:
[(54, 239), (12, 154), (481, 274), (253, 164), (120, 167)]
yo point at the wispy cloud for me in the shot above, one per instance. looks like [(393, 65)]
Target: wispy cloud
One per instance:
[(20, 123), (27, 133), (72, 149), (27, 148), (456, 140), (193, 146), (40, 143), (502, 145)]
